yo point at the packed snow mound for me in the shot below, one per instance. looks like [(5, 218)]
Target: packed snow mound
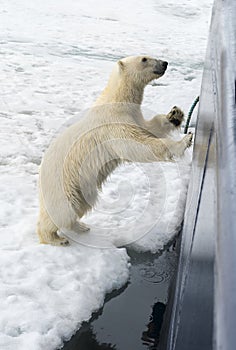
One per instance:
[(47, 292)]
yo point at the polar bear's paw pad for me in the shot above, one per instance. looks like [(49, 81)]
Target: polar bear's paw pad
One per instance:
[(175, 116)]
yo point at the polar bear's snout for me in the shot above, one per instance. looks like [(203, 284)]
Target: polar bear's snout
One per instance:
[(160, 67), (164, 64)]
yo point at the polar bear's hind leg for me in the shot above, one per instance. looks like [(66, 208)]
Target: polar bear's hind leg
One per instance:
[(47, 231)]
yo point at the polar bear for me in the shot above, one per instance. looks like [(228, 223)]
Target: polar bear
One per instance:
[(113, 131)]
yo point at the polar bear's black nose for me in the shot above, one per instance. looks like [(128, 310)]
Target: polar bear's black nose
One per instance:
[(165, 64)]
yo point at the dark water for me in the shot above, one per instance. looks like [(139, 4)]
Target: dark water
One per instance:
[(127, 320)]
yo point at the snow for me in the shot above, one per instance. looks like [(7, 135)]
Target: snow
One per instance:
[(49, 291), (55, 59)]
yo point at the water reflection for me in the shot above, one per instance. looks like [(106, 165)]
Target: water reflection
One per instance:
[(120, 324), (152, 335), (88, 341)]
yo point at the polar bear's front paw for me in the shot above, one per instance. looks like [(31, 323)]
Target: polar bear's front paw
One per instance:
[(188, 139), (175, 116)]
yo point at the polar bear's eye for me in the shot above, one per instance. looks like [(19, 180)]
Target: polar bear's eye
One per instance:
[(144, 59)]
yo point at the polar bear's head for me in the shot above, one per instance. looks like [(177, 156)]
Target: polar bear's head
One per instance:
[(141, 69)]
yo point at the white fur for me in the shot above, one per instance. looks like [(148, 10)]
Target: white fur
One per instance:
[(113, 131)]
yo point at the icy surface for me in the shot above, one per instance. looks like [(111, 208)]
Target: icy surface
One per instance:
[(55, 59)]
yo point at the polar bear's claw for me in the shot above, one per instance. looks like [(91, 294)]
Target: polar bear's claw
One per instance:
[(64, 242), (83, 227)]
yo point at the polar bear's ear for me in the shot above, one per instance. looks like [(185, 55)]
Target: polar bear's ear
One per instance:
[(121, 64)]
